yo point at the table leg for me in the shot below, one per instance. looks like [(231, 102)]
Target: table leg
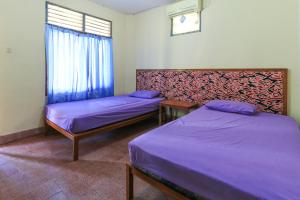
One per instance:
[(164, 118), (160, 115), (174, 114)]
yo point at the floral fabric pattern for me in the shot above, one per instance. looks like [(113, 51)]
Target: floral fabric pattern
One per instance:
[(262, 88)]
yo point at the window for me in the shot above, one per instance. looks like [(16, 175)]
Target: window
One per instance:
[(63, 17), (79, 55), (97, 26), (186, 23)]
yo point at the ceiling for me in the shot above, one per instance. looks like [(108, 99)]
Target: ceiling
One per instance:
[(132, 6)]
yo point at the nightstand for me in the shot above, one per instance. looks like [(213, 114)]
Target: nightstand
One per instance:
[(174, 106)]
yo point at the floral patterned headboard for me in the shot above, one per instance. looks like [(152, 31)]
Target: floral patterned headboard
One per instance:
[(267, 88)]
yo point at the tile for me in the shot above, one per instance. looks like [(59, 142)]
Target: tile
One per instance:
[(110, 190), (45, 190), (27, 196), (41, 168), (12, 181), (88, 195), (59, 196), (17, 191), (2, 160), (72, 185), (7, 170)]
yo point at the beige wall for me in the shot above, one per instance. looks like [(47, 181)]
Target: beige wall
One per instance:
[(22, 71), (235, 34)]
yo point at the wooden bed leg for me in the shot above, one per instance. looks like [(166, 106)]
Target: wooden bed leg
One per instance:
[(75, 149), (129, 183)]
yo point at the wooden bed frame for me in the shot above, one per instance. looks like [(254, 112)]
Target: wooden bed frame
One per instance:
[(75, 138), (132, 171)]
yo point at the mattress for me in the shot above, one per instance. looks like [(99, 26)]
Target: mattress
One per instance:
[(79, 116), (218, 155)]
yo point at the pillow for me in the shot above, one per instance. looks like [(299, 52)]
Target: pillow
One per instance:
[(232, 107), (145, 94)]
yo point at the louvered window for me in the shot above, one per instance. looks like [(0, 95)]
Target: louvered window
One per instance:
[(97, 26), (67, 18)]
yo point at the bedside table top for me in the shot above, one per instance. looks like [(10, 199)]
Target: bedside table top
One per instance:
[(178, 104)]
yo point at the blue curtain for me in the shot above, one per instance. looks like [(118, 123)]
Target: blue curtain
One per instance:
[(80, 66)]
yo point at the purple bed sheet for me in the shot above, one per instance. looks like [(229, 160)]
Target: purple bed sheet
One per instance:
[(79, 116), (220, 155)]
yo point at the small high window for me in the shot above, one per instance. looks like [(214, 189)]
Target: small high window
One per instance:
[(186, 23)]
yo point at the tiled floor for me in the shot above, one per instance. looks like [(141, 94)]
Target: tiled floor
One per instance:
[(40, 167)]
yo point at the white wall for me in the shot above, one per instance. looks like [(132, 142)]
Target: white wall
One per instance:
[(235, 34), (22, 72)]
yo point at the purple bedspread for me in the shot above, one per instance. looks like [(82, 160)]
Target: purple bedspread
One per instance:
[(220, 155), (81, 116)]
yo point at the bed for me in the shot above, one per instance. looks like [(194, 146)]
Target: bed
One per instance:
[(215, 155), (81, 119)]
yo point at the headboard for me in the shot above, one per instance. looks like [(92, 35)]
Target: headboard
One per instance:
[(267, 88)]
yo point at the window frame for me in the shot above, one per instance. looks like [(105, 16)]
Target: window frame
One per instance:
[(83, 20), (172, 19), (84, 14)]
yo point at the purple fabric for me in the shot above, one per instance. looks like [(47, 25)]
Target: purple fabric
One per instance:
[(81, 116), (232, 106), (221, 155), (145, 94)]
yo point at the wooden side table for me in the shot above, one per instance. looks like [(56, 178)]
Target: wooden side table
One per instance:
[(174, 106)]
